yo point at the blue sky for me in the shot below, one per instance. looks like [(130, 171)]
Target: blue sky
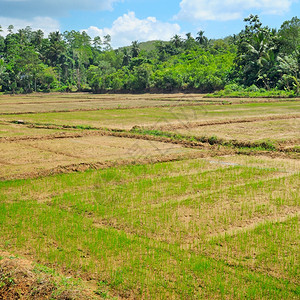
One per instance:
[(142, 20)]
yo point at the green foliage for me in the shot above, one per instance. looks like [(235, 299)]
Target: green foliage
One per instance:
[(47, 78), (289, 35), (258, 57), (238, 91), (267, 58)]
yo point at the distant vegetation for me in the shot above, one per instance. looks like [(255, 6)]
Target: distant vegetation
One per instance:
[(258, 60)]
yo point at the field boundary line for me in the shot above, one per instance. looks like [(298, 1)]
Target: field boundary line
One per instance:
[(221, 122), (222, 100), (195, 196), (295, 212), (206, 100), (219, 146), (84, 166), (121, 133), (51, 151), (188, 103), (110, 108), (226, 166), (96, 187), (60, 135)]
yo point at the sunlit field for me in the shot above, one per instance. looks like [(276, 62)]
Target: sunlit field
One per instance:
[(140, 200)]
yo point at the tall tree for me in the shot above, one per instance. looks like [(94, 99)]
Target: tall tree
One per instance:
[(10, 28), (135, 49), (126, 57), (289, 34), (189, 42), (257, 52), (177, 41), (201, 38), (97, 43), (56, 48), (107, 43)]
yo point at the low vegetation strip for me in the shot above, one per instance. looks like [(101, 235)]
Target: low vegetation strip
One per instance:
[(72, 159), (196, 142), (154, 135), (252, 247)]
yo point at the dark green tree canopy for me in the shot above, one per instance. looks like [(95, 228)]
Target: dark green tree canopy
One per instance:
[(258, 57)]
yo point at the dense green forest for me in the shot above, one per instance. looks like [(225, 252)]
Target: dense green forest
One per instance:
[(258, 58)]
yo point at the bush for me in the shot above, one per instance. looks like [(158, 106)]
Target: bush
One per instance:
[(253, 88), (233, 87)]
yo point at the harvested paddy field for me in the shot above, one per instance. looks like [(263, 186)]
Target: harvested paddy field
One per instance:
[(275, 130), (84, 102), (94, 208), (11, 130), (28, 157), (37, 103), (158, 116)]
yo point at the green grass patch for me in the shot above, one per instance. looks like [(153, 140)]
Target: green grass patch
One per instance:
[(127, 119), (235, 91), (146, 231)]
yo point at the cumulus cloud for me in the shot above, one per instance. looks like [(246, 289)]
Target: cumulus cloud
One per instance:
[(128, 28), (23, 9), (224, 10), (44, 23)]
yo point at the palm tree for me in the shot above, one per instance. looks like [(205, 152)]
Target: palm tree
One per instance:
[(38, 37), (189, 42), (260, 57), (126, 57), (56, 47), (289, 67), (10, 28), (201, 39), (135, 49), (177, 41)]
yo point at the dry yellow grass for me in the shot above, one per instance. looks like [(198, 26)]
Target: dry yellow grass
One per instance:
[(251, 131), (19, 158), (17, 130), (161, 116), (85, 101)]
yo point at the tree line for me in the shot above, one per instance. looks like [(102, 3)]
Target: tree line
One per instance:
[(258, 57)]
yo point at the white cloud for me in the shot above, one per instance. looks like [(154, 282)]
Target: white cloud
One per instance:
[(224, 10), (128, 28), (44, 23)]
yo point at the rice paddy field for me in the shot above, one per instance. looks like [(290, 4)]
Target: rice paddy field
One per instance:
[(149, 197)]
